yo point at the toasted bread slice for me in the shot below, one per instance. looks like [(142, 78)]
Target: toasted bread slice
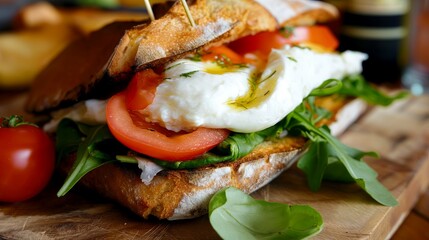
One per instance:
[(108, 57)]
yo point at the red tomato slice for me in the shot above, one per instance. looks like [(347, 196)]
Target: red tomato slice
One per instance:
[(142, 88), (263, 42), (222, 53), (319, 35), (145, 139)]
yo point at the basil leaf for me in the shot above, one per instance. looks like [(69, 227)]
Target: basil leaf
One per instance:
[(236, 215), (356, 86), (88, 155)]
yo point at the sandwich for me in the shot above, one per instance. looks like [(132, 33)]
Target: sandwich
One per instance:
[(160, 115)]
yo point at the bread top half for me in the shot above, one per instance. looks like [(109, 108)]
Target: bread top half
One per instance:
[(102, 63)]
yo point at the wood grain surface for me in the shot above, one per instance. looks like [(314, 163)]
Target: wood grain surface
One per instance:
[(400, 134)]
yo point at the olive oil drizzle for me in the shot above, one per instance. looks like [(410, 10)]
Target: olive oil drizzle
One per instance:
[(256, 93)]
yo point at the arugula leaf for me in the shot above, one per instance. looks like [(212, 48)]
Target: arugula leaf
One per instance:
[(328, 87), (95, 147), (314, 163), (236, 215), (356, 86), (330, 147), (234, 147)]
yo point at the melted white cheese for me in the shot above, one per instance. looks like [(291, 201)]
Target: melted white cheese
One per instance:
[(191, 96)]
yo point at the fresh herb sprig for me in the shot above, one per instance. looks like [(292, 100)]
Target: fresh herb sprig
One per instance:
[(326, 153)]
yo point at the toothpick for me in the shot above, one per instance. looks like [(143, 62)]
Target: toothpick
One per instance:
[(188, 13), (149, 10)]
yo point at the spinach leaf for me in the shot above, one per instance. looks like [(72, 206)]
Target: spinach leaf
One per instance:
[(95, 147), (236, 215)]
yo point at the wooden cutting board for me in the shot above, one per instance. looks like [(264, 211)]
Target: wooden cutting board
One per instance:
[(399, 133)]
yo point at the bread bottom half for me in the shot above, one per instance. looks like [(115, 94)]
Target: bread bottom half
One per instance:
[(183, 194)]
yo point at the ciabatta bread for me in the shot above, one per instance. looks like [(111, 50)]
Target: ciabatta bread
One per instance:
[(173, 194)]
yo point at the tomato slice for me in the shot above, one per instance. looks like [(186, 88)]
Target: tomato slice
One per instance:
[(142, 88), (318, 35), (146, 139), (262, 43), (222, 53)]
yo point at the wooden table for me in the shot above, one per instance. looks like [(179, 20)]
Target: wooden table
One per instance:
[(399, 133)]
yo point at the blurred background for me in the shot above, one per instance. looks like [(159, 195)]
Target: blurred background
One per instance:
[(394, 33)]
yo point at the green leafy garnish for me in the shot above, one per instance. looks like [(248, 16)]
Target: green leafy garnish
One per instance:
[(94, 144), (325, 151), (188, 74), (292, 59), (236, 215), (237, 145), (328, 87), (174, 65), (198, 57), (356, 86)]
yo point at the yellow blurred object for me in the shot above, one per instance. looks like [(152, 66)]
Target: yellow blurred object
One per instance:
[(23, 54), (41, 31), (36, 15), (87, 20)]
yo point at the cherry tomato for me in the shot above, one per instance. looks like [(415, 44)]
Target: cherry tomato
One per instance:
[(132, 131), (142, 88), (263, 42), (27, 158)]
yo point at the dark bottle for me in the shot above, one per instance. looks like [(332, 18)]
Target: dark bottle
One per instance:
[(377, 28)]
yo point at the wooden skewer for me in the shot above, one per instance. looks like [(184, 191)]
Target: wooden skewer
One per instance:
[(188, 13), (149, 10)]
